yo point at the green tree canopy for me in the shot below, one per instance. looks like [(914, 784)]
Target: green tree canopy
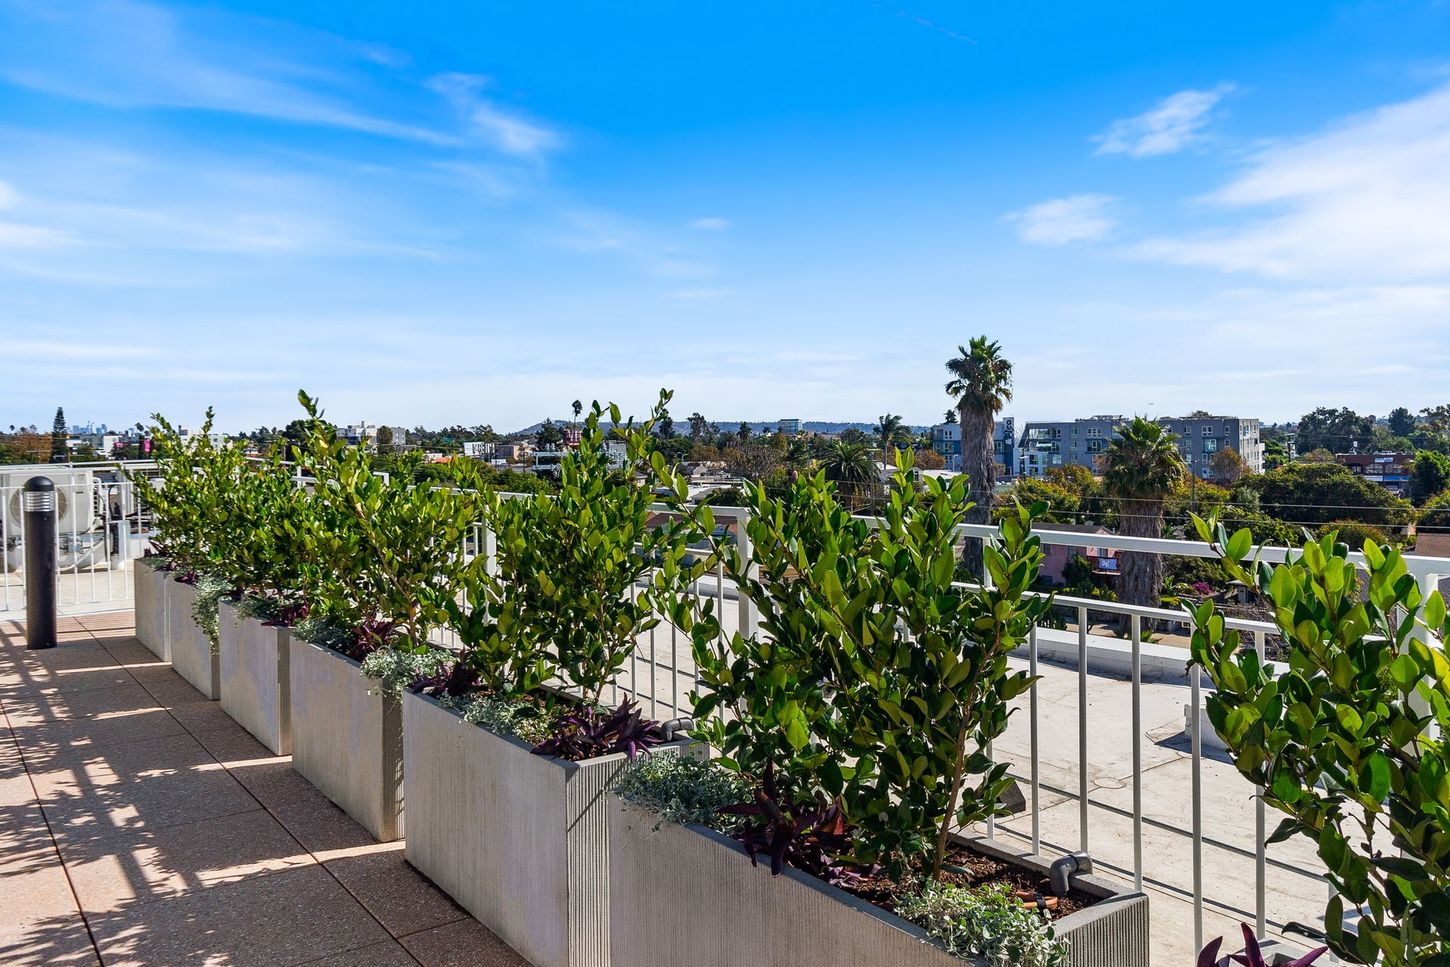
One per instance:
[(1319, 493), (1431, 475), (1401, 421), (1334, 430)]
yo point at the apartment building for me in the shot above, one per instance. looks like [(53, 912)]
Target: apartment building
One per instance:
[(946, 439), (1056, 443)]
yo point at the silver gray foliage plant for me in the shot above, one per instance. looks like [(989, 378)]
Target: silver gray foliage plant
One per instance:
[(989, 923), (681, 788), (396, 670)]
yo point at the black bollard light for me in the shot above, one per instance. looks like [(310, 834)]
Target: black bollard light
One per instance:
[(38, 502)]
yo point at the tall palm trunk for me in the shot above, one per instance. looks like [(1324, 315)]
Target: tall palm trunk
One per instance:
[(980, 466), (1141, 574)]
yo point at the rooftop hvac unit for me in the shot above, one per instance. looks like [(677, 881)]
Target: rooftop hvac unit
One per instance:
[(74, 504)]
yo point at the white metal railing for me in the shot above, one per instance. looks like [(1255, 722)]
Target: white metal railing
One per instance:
[(102, 525)]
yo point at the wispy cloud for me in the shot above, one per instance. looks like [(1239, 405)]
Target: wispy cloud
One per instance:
[(701, 295), (506, 130), (1363, 201), (712, 223), (1168, 127), (593, 231), (131, 54), (17, 235), (1058, 221)]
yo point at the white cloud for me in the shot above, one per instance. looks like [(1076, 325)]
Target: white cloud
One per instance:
[(1365, 201), (1170, 126), (711, 223), (700, 295), (8, 196), (1057, 221), (508, 131), (127, 53), (14, 235)]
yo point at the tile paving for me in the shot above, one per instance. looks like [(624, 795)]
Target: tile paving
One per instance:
[(140, 825)]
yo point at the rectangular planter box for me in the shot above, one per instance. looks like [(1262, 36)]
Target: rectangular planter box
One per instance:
[(347, 738), (191, 652), (255, 678), (520, 840), (151, 586), (689, 895)]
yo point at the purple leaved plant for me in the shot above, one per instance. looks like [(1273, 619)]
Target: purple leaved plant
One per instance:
[(587, 732), (811, 837), (458, 680), (1251, 955), (369, 636)]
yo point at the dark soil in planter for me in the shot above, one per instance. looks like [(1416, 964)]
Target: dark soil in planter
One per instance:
[(985, 871)]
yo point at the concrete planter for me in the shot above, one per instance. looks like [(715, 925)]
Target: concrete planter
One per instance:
[(688, 895), (520, 840), (190, 650), (151, 586), (347, 738), (255, 680)]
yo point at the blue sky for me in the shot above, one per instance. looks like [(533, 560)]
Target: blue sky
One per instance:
[(440, 213)]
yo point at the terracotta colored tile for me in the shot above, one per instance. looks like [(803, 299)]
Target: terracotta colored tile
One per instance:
[(66, 680), (25, 843), (113, 874), (235, 745), (174, 691), (265, 921), (401, 899), (99, 731), (36, 900), (128, 651), (184, 797), (274, 782), (320, 826), (387, 954), (85, 653), (466, 943), (202, 716), (116, 698), (107, 620), (48, 942)]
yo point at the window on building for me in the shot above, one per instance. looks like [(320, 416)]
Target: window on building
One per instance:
[(1206, 430), (1210, 445)]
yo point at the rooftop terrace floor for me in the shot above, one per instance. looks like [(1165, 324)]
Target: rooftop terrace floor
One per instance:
[(140, 825)]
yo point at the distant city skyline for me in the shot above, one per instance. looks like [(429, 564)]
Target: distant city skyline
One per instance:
[(475, 213)]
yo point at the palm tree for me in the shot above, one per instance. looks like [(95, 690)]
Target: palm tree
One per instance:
[(892, 435), (578, 408), (851, 466), (1140, 468), (981, 384)]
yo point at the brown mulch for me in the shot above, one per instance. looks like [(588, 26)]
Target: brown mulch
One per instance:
[(983, 871)]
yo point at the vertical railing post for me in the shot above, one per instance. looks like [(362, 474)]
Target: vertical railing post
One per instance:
[(1136, 628), (742, 547), (1032, 707), (1196, 745), (1082, 742), (1261, 848)]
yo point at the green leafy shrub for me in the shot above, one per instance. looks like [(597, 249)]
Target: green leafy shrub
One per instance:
[(580, 574), (383, 557), (989, 923), (1347, 734), (876, 680)]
